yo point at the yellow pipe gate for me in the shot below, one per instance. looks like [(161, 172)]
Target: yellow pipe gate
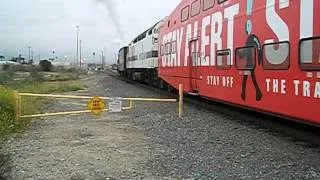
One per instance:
[(130, 101)]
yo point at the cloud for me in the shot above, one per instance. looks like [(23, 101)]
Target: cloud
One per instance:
[(51, 24)]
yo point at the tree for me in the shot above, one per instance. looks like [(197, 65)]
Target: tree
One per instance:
[(2, 57), (45, 65)]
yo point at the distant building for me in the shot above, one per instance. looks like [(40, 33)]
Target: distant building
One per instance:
[(18, 59)]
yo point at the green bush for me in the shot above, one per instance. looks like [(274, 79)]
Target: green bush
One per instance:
[(7, 114), (45, 65)]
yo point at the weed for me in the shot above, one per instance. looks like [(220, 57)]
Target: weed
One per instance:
[(29, 105)]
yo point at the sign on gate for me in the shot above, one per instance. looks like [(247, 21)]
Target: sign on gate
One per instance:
[(115, 105), (96, 105)]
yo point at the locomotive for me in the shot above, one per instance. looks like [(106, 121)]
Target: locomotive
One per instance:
[(139, 60), (261, 55)]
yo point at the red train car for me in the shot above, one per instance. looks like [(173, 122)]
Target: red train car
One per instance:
[(263, 55)]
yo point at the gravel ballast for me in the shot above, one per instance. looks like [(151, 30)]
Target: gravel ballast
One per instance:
[(150, 142)]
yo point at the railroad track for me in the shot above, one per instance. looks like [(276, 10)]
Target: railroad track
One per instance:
[(301, 134)]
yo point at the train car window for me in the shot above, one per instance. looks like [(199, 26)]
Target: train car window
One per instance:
[(276, 56), (207, 4), (149, 54), (155, 40), (185, 14), (246, 58), (195, 8), (154, 53), (223, 59), (144, 35), (221, 1), (309, 54), (150, 32), (174, 44), (168, 48)]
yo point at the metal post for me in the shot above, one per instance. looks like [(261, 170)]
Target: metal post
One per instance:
[(17, 104), (102, 59), (53, 55), (130, 104), (94, 58), (180, 100), (29, 47), (31, 55), (80, 54), (78, 45)]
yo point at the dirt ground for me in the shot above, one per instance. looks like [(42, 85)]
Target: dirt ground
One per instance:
[(79, 147)]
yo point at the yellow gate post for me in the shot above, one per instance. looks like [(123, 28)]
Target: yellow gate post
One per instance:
[(17, 104), (180, 100)]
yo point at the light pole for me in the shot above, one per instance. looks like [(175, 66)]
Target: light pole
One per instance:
[(94, 58), (29, 47), (53, 55), (80, 53), (78, 28), (102, 59)]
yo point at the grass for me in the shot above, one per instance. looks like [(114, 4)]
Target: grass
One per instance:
[(30, 105), (7, 114), (51, 87)]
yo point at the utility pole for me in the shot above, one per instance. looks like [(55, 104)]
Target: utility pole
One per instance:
[(29, 47), (31, 61), (102, 58), (53, 55), (80, 54), (94, 58), (78, 45)]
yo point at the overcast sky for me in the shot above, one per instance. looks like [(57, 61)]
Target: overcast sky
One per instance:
[(48, 25)]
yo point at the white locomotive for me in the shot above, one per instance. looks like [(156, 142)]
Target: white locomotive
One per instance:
[(141, 61)]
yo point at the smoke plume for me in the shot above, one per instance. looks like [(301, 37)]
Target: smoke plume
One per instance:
[(110, 7)]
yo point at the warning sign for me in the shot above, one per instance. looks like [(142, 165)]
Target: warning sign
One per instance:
[(96, 105), (115, 105)]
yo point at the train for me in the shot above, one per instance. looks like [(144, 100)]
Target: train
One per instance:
[(139, 60), (260, 55)]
